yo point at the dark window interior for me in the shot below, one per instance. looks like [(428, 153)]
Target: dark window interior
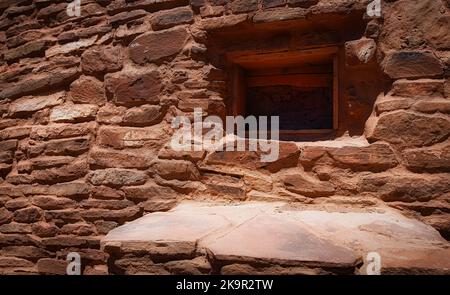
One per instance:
[(298, 108), (300, 87)]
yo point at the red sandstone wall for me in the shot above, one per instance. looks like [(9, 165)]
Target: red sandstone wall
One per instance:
[(86, 104)]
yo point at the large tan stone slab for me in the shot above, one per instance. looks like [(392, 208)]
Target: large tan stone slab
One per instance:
[(243, 237), (273, 237)]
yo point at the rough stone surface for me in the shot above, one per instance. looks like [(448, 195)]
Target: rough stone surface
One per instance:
[(86, 111), (156, 46), (360, 52), (73, 113), (412, 64), (117, 177), (312, 238), (435, 158), (411, 129), (307, 186), (171, 18), (28, 105), (100, 60), (134, 88), (87, 90)]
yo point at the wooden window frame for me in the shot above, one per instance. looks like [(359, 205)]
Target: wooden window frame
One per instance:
[(238, 62)]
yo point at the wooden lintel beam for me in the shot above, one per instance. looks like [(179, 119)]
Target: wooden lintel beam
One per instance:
[(297, 80)]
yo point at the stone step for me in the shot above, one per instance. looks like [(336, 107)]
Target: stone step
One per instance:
[(275, 238)]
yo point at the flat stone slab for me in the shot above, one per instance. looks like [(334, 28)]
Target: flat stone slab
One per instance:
[(263, 233)]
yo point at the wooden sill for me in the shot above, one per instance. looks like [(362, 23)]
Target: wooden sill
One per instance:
[(309, 132)]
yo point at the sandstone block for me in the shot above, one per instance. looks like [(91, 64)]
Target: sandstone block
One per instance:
[(104, 227), (170, 18), (8, 145), (122, 137), (360, 52), (135, 88), (247, 159), (88, 256), (6, 157), (279, 14), (15, 228), (409, 129), (70, 146), (103, 158), (50, 266), (87, 90), (70, 189), (418, 88), (17, 203), (27, 252), (224, 186), (288, 155), (37, 82), (106, 204), (14, 262), (62, 217), (307, 186), (432, 106), (242, 6), (376, 157), (34, 48), (28, 215), (5, 216), (119, 216), (18, 240), (52, 202), (15, 132), (78, 229), (193, 156), (74, 170), (101, 60), (412, 64), (117, 177), (216, 23), (73, 113), (176, 169), (272, 3), (406, 187), (124, 17), (70, 47), (43, 229), (302, 3), (389, 104), (57, 131), (104, 192), (158, 205), (196, 266), (210, 11), (157, 46), (63, 241), (149, 191), (431, 159), (28, 105), (143, 116), (111, 114)]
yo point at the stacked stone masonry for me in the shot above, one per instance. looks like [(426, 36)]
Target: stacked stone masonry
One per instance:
[(86, 105)]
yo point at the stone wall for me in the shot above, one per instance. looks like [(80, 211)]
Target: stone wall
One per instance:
[(86, 105)]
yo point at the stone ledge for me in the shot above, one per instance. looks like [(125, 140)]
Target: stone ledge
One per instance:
[(275, 238)]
